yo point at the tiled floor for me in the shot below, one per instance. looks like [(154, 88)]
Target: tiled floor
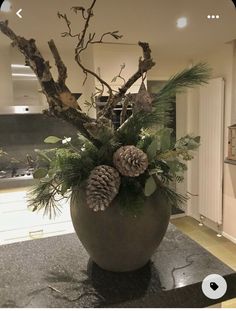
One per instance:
[(219, 247)]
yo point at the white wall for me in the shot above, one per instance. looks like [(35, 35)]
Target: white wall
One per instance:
[(165, 67)]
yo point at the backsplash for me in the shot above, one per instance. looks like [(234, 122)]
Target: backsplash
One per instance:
[(20, 134)]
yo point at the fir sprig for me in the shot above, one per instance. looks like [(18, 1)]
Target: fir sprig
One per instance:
[(172, 198), (46, 195), (163, 102)]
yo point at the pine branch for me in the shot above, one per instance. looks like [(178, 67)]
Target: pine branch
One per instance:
[(172, 197), (163, 102), (43, 196), (197, 75)]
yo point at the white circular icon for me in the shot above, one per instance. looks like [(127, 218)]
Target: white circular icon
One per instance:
[(214, 286)]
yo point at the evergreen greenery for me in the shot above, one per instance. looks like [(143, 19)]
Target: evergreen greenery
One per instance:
[(163, 103), (69, 164)]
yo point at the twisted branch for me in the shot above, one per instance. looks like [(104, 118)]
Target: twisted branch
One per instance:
[(83, 43), (122, 67)]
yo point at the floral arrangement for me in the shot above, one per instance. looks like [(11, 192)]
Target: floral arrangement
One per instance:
[(130, 163)]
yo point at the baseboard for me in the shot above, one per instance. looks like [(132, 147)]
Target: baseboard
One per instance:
[(207, 223), (229, 237)]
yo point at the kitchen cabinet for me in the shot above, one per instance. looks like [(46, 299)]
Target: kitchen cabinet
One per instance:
[(19, 223)]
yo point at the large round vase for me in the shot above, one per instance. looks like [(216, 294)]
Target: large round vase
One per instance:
[(119, 242)]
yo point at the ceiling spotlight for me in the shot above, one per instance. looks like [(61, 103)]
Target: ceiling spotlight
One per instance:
[(213, 16), (6, 6), (182, 22)]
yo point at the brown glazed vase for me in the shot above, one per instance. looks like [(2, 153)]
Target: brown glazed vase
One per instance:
[(118, 242)]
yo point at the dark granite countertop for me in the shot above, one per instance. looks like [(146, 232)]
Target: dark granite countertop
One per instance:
[(56, 272)]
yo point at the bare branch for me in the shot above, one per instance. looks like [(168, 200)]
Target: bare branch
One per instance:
[(86, 71), (93, 97), (84, 41), (90, 40), (62, 70), (145, 64), (84, 31), (68, 23), (82, 45), (77, 9), (122, 67)]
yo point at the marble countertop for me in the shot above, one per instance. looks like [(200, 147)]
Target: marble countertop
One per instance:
[(56, 272)]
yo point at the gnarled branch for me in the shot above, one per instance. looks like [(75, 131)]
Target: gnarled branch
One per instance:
[(61, 68), (145, 64), (50, 88)]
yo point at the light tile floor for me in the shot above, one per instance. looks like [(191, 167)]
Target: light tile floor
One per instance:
[(219, 247)]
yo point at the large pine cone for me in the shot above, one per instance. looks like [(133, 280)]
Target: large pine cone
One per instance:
[(102, 186), (130, 161)]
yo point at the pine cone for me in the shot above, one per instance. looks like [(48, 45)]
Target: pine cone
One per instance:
[(130, 161), (102, 186)]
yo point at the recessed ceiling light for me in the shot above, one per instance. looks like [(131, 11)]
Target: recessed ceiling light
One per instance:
[(6, 6), (182, 22)]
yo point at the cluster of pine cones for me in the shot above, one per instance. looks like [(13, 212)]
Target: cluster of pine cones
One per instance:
[(104, 181)]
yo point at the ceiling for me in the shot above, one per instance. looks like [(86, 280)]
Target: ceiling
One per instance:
[(153, 21)]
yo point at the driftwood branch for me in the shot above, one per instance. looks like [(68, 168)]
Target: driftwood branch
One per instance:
[(61, 68), (59, 97), (62, 103)]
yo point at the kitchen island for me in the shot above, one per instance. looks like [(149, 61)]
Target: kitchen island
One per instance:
[(56, 272)]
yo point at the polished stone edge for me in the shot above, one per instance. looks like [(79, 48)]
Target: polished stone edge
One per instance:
[(185, 297)]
